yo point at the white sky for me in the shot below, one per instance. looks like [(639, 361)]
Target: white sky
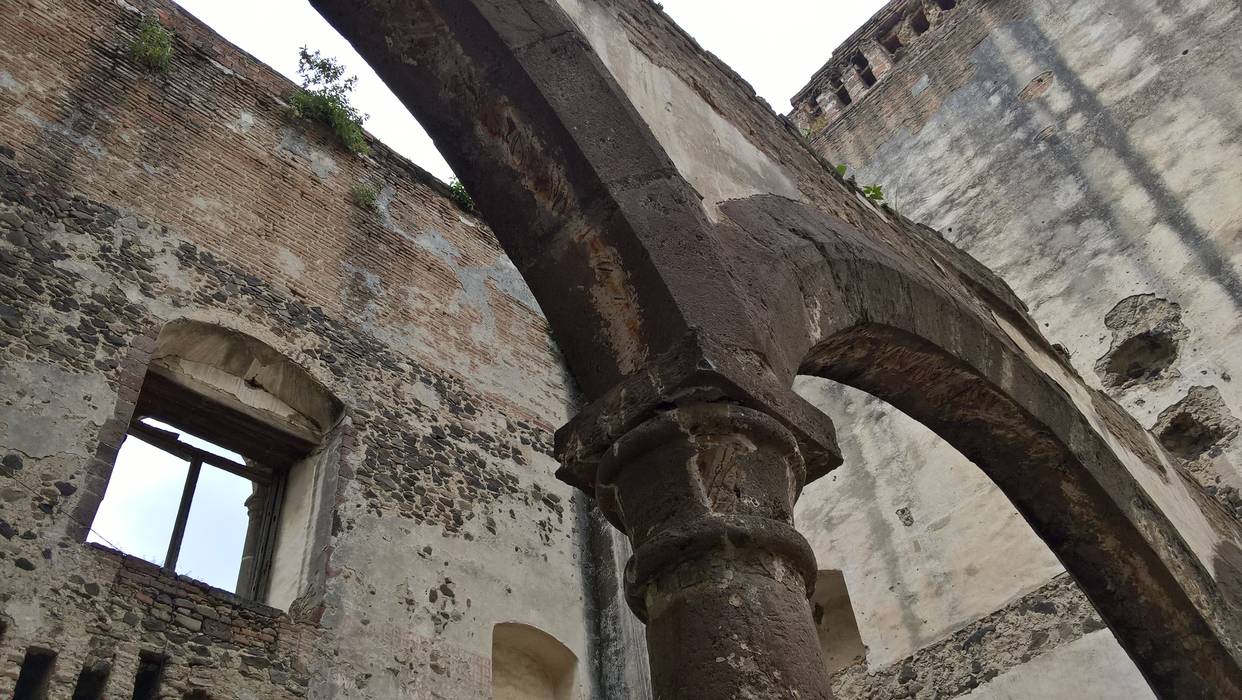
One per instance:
[(776, 45), (140, 506)]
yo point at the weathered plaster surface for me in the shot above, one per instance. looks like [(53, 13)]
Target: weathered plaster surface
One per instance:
[(1070, 671), (1087, 152), (1129, 159), (708, 149)]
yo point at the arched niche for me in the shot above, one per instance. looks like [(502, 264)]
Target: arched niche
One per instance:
[(530, 664)]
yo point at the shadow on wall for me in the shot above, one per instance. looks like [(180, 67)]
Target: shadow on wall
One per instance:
[(530, 664), (835, 624), (1168, 205)]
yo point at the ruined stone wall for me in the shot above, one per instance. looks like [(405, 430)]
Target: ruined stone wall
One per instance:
[(951, 589), (129, 199), (1088, 153)]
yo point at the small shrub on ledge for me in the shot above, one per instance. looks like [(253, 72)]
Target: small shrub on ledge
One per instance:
[(153, 47), (461, 196), (324, 98)]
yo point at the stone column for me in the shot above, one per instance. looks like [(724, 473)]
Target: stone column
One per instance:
[(719, 575)]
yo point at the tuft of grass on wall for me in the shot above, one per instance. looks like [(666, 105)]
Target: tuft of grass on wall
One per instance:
[(152, 48), (364, 195), (324, 98)]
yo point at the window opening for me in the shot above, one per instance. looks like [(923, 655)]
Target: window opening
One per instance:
[(835, 623), (843, 95), (197, 488), (918, 21), (226, 472), (863, 67), (150, 676), (36, 675), (891, 43), (192, 496), (91, 681)]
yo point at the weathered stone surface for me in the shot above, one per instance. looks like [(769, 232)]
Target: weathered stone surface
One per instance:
[(867, 298)]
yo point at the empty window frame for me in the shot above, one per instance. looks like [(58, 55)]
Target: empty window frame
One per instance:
[(197, 487), (863, 67), (918, 20)]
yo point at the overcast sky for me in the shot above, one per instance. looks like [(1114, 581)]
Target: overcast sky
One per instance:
[(776, 45)]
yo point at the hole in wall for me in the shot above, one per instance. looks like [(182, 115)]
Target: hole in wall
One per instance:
[(36, 674), (1038, 86), (1147, 336), (1141, 357), (1198, 425), (863, 68), (946, 4), (150, 676), (1188, 437), (92, 681), (890, 39), (918, 21)]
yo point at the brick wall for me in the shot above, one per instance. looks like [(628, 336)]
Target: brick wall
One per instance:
[(130, 199)]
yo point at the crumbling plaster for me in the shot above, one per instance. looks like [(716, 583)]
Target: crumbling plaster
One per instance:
[(1131, 154), (1087, 152)]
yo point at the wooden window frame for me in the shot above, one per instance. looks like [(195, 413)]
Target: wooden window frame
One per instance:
[(273, 499)]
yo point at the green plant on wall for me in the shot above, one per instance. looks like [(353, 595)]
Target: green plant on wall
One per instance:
[(152, 48), (364, 195), (874, 193), (460, 195), (324, 98)]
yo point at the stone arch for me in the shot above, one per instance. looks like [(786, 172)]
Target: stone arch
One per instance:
[(530, 664), (916, 323), (230, 362), (1067, 483)]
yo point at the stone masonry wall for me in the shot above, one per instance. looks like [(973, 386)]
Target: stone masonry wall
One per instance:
[(1088, 153), (129, 199)]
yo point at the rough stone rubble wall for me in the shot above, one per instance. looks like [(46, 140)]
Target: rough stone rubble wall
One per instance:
[(1087, 152), (130, 199)]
